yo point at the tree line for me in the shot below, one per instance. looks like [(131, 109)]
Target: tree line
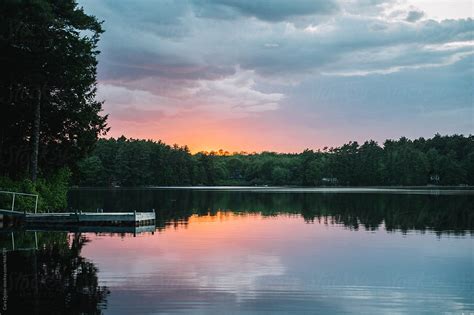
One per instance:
[(440, 160)]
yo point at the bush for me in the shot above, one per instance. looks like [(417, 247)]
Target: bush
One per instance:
[(52, 192)]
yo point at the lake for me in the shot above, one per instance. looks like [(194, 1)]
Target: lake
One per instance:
[(247, 251)]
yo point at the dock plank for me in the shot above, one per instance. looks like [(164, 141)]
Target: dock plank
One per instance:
[(86, 218)]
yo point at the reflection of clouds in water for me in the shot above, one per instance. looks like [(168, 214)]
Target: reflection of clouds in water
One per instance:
[(240, 275), (168, 284), (281, 266), (397, 300)]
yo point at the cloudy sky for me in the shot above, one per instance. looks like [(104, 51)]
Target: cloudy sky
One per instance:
[(285, 75)]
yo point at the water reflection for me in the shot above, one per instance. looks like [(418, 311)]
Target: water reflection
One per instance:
[(247, 263), (252, 252), (52, 279), (395, 212)]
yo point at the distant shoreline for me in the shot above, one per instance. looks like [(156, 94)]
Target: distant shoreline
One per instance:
[(293, 189)]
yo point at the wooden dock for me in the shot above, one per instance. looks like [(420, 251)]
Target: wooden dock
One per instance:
[(81, 218), (78, 218), (90, 218)]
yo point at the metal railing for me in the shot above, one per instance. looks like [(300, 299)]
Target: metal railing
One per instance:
[(14, 194)]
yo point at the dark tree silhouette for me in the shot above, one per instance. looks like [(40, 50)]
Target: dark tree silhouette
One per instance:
[(49, 115)]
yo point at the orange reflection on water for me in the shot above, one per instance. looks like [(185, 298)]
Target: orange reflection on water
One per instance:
[(217, 234)]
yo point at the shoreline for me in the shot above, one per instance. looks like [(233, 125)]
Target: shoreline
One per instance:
[(296, 189)]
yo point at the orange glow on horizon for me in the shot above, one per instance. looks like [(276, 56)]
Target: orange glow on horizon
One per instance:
[(200, 132)]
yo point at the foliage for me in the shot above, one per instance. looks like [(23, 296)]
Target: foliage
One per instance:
[(49, 57), (441, 160), (52, 192)]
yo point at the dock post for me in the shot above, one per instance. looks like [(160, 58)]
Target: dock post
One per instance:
[(36, 241), (13, 201), (13, 241)]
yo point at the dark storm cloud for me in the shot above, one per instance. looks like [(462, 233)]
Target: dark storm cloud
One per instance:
[(267, 10), (414, 16), (175, 40)]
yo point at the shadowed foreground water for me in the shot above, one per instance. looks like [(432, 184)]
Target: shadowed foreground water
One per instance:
[(254, 252)]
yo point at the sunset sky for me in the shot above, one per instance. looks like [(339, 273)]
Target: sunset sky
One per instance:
[(285, 75)]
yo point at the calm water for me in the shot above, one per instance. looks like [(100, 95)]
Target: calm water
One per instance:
[(247, 251)]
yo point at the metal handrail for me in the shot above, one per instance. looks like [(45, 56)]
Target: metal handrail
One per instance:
[(14, 194), (18, 193)]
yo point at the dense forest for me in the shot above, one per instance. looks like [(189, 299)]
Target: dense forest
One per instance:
[(441, 160)]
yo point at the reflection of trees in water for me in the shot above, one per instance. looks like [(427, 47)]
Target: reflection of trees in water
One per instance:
[(404, 212), (54, 279)]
